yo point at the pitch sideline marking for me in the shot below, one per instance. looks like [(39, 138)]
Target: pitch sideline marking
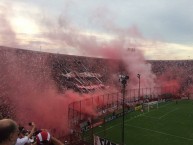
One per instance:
[(160, 132), (133, 118), (150, 117), (168, 113)]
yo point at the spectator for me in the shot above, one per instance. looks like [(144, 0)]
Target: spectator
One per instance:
[(22, 138), (8, 132), (44, 138)]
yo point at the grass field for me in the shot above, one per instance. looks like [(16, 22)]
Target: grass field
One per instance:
[(170, 124)]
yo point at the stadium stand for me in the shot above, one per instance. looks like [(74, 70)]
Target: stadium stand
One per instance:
[(87, 75)]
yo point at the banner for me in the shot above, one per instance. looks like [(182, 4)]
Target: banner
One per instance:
[(102, 141), (138, 107)]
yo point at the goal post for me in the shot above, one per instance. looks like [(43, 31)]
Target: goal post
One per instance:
[(149, 105)]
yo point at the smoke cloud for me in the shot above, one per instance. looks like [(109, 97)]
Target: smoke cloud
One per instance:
[(7, 34), (26, 76)]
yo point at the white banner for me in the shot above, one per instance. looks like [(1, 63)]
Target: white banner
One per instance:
[(102, 141)]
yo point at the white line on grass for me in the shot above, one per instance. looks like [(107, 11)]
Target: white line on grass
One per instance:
[(120, 123), (160, 132), (150, 117), (133, 118), (168, 113), (168, 103), (144, 114)]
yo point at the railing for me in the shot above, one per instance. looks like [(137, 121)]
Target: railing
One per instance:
[(96, 106)]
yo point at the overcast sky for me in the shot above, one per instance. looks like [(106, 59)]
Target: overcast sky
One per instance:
[(162, 29)]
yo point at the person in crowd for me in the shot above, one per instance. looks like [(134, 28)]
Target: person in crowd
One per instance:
[(44, 138), (24, 139), (8, 132)]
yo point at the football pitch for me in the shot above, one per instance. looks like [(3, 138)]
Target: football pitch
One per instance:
[(170, 124)]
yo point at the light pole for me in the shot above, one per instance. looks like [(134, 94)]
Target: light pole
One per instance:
[(138, 75), (123, 79)]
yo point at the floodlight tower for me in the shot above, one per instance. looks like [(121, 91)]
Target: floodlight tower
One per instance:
[(123, 79), (139, 76)]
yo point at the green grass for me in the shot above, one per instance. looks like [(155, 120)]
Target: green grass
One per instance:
[(171, 124)]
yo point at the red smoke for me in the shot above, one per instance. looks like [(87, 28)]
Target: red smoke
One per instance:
[(26, 80), (180, 77), (26, 76)]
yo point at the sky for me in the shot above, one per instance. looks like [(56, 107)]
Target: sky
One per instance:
[(161, 29)]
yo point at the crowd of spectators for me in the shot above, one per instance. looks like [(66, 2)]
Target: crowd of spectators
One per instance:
[(6, 108), (161, 66), (179, 70), (64, 66), (12, 134), (75, 64)]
